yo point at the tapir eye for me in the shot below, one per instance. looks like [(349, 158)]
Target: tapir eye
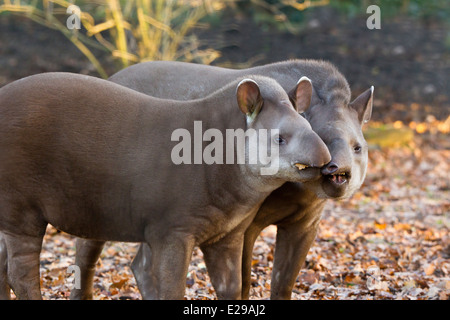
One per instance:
[(357, 148), (280, 140)]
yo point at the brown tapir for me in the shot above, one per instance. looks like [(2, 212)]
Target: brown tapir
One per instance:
[(295, 207), (101, 161)]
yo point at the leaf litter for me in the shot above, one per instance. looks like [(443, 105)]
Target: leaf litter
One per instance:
[(389, 241)]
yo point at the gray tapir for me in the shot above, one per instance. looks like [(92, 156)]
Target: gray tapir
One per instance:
[(295, 207), (96, 160)]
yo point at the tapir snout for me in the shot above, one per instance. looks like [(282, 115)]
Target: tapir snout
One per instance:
[(341, 159), (316, 152), (314, 156)]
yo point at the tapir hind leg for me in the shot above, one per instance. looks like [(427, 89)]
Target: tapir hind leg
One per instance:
[(87, 254), (23, 227), (23, 265), (5, 291)]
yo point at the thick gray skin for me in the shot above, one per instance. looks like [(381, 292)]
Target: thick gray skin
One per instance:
[(94, 159), (4, 287), (296, 207)]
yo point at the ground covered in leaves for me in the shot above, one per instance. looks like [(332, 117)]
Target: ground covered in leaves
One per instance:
[(390, 241)]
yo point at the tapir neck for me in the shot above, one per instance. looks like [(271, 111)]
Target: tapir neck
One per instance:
[(220, 111), (224, 185)]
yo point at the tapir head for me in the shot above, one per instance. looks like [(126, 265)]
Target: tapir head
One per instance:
[(339, 124), (300, 151)]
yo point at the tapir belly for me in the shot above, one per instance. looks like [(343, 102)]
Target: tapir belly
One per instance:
[(80, 211)]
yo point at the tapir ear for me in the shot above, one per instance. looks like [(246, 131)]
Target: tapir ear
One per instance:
[(363, 105), (301, 95), (249, 98)]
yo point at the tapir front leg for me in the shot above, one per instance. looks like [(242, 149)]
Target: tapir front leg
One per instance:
[(87, 254), (251, 234), (141, 267), (292, 245), (223, 261), (171, 254), (5, 291)]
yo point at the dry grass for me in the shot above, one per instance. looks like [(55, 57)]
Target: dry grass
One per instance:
[(132, 31), (139, 30)]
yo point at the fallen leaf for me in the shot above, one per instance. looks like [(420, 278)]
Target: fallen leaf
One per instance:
[(429, 269), (380, 226)]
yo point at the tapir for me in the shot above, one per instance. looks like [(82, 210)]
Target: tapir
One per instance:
[(96, 160), (295, 208)]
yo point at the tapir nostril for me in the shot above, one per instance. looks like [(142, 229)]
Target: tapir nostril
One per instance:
[(329, 168)]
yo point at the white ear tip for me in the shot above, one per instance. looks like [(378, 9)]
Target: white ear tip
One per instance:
[(304, 79), (246, 80)]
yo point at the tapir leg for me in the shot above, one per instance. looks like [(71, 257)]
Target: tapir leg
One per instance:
[(171, 254), (292, 245), (251, 234), (5, 291), (141, 267), (23, 265), (223, 261), (87, 254), (23, 229)]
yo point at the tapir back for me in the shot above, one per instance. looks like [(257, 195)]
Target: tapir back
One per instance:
[(174, 80), (70, 145)]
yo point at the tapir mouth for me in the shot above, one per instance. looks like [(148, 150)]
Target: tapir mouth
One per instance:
[(300, 166), (307, 173), (339, 178)]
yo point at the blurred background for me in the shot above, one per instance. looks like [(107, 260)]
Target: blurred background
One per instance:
[(399, 220), (407, 60)]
